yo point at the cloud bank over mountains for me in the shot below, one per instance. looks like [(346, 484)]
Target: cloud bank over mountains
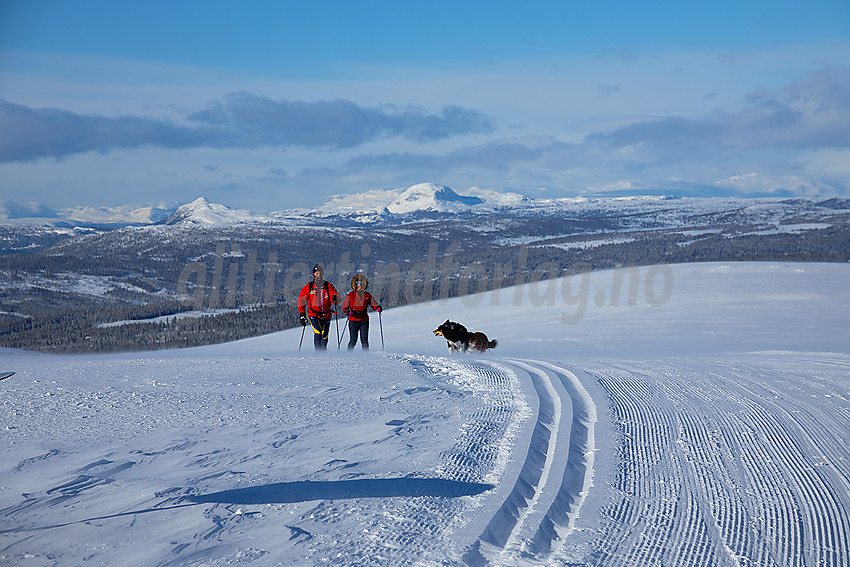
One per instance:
[(281, 105), (811, 113), (787, 140), (242, 120), (721, 148)]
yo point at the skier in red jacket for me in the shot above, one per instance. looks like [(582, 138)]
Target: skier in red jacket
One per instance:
[(355, 306), (316, 301)]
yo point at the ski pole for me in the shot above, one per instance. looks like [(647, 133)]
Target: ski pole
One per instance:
[(303, 328), (344, 327), (381, 323), (338, 340)]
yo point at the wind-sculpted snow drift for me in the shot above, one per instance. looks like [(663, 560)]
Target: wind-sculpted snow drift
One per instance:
[(731, 452)]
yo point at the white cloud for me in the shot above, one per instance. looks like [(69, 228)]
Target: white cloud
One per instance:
[(697, 116)]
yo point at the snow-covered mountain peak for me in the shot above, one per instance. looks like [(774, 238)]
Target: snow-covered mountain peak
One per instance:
[(430, 197), (203, 212), (420, 198)]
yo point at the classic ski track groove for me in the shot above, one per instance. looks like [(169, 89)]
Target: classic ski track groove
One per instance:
[(556, 473)]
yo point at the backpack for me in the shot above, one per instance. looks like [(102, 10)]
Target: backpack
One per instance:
[(325, 288)]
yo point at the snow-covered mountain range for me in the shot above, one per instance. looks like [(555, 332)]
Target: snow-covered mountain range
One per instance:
[(423, 198), (420, 199), (30, 213), (389, 205), (383, 206)]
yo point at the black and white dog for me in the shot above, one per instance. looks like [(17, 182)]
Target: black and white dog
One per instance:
[(461, 340), (455, 334)]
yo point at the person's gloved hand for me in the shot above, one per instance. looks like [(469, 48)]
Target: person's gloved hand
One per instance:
[(303, 321)]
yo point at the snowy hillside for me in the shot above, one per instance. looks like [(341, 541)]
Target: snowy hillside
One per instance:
[(672, 415)]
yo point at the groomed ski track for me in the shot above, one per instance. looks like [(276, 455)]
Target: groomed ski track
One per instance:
[(731, 461), (740, 461), (535, 501), (544, 492)]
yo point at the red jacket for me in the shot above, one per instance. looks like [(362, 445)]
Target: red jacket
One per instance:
[(357, 304), (319, 301)]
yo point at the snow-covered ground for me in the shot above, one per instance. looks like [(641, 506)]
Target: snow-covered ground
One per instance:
[(697, 417)]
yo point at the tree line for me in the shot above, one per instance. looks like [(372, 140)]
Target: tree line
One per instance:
[(404, 266)]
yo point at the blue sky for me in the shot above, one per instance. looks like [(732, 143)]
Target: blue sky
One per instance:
[(274, 105)]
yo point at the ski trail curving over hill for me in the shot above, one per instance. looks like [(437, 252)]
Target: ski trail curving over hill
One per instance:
[(544, 497), (401, 459)]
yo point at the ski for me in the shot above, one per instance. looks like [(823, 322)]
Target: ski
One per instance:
[(4, 375)]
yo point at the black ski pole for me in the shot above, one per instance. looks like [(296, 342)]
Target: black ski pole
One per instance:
[(381, 323), (303, 328), (338, 340), (344, 327)]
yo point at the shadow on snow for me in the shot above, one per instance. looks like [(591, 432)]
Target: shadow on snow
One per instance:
[(303, 491), (306, 490)]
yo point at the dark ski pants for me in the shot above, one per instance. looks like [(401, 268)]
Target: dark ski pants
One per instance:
[(321, 332), (358, 328)]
